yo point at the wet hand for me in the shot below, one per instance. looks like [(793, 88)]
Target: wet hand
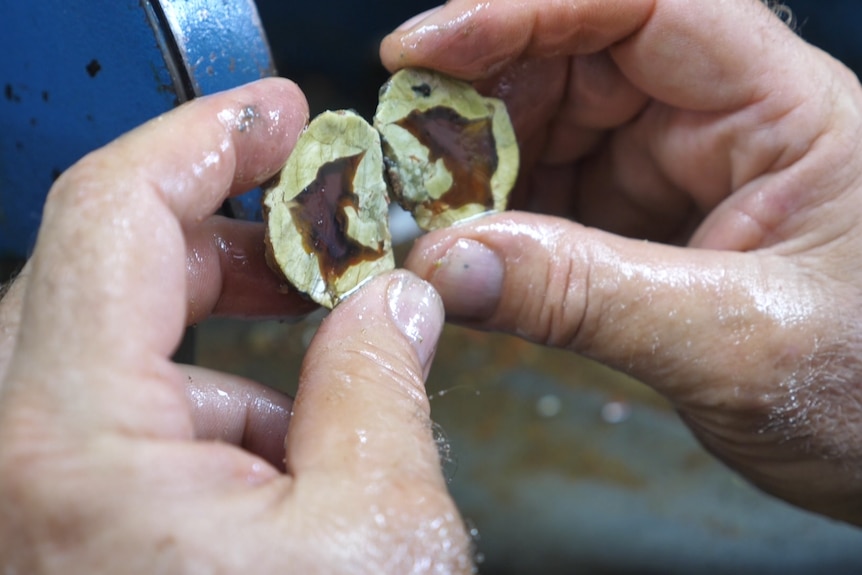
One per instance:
[(115, 459), (712, 129)]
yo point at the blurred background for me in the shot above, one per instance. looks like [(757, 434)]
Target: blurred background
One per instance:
[(558, 464)]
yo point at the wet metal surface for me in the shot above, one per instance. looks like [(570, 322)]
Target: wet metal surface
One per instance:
[(562, 465)]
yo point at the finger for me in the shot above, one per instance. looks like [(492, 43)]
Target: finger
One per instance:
[(228, 274), (597, 97), (473, 39), (108, 287), (685, 321), (360, 442), (124, 206), (239, 411), (683, 56), (574, 99), (623, 191), (361, 410), (752, 348)]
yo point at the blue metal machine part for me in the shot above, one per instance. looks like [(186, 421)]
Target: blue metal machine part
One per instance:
[(77, 74)]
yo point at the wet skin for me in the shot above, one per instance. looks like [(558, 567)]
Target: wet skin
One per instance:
[(732, 145), (115, 459)]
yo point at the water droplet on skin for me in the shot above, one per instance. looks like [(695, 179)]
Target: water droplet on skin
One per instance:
[(274, 120), (246, 119), (448, 461), (210, 159)]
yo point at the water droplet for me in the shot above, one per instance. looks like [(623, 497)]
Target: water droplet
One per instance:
[(549, 406), (448, 461)]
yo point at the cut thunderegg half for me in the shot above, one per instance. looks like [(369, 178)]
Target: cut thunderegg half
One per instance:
[(450, 152), (326, 211)]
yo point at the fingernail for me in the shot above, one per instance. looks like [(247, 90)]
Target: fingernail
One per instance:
[(416, 20), (469, 278), (417, 310)]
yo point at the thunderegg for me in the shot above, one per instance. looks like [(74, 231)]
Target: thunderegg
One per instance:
[(449, 154), (327, 210)]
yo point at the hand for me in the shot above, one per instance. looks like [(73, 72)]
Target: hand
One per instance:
[(709, 125), (116, 460)]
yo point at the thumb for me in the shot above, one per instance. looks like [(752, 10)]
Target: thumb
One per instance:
[(362, 419), (471, 39), (758, 350), (688, 322), (361, 404)]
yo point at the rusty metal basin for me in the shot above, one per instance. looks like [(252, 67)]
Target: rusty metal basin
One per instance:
[(560, 465)]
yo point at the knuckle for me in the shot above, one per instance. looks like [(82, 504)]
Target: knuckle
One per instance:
[(73, 183), (33, 510), (555, 310)]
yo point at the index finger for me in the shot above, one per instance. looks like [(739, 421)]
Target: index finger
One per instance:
[(110, 258), (362, 416), (472, 39), (678, 51)]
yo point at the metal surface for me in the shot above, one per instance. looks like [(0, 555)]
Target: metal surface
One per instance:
[(76, 74), (563, 474), (215, 45), (562, 466)]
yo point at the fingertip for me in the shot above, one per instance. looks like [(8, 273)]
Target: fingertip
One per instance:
[(515, 272), (463, 38), (242, 412), (393, 48), (468, 274), (409, 303), (227, 274), (474, 39), (418, 19), (267, 117)]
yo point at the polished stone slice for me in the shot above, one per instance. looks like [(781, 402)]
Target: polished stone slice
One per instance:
[(326, 210), (450, 152)]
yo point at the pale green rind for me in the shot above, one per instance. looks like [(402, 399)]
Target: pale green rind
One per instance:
[(330, 136)]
